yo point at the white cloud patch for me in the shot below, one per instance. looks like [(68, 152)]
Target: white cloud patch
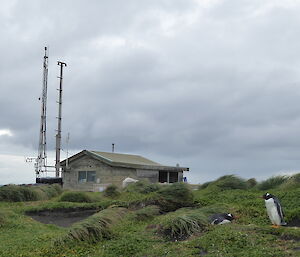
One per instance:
[(6, 132)]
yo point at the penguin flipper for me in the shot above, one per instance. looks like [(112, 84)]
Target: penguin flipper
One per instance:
[(280, 211)]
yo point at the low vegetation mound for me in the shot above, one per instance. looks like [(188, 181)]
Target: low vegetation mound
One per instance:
[(14, 193), (271, 183), (183, 223), (147, 212), (174, 196), (94, 228), (111, 191), (292, 182), (75, 196), (226, 183), (142, 187)]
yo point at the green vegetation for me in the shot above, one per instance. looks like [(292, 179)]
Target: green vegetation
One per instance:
[(155, 221), (76, 197), (175, 196), (271, 183), (94, 228), (111, 191), (227, 182), (142, 187), (13, 193), (147, 212)]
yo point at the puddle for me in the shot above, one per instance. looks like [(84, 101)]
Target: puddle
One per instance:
[(62, 218)]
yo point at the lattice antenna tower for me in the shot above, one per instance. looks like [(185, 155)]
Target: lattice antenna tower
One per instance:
[(41, 161)]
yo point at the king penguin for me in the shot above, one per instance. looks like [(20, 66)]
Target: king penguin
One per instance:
[(221, 218), (274, 210)]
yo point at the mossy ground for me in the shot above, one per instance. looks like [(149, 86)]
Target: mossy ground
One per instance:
[(249, 235)]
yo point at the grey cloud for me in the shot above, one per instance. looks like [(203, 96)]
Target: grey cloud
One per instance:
[(214, 86)]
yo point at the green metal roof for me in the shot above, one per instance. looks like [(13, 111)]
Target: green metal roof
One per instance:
[(126, 158)]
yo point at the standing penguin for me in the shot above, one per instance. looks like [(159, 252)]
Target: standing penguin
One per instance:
[(274, 210), (221, 218)]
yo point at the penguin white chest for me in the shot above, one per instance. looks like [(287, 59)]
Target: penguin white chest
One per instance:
[(272, 212)]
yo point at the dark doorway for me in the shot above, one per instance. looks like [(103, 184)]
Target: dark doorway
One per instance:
[(173, 177), (168, 177), (163, 177)]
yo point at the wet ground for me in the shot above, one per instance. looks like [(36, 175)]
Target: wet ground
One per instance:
[(61, 218), (294, 223)]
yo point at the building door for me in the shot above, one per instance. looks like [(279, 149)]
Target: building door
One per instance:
[(173, 177), (167, 177), (163, 177)]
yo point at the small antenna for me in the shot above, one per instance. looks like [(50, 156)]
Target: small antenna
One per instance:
[(113, 147)]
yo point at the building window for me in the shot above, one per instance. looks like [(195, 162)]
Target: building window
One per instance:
[(86, 176)]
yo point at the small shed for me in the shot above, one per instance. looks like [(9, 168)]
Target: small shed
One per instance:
[(94, 170)]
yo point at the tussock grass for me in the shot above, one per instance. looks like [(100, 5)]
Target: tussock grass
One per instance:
[(251, 182), (111, 191), (174, 196), (227, 182), (147, 213), (14, 193), (293, 182), (272, 182), (75, 196), (185, 222), (142, 187), (94, 228), (230, 182)]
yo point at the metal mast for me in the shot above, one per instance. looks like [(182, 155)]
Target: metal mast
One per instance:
[(41, 162), (58, 135)]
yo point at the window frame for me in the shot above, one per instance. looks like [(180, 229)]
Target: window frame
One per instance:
[(87, 175)]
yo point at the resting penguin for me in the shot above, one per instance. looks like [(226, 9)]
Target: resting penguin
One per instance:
[(274, 210), (221, 218)]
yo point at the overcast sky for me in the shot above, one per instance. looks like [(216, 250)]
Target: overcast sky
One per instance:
[(213, 85)]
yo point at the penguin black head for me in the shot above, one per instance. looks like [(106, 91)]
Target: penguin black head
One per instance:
[(229, 216), (267, 196)]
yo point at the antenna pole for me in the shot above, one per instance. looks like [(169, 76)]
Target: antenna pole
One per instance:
[(41, 161), (67, 159), (58, 135)]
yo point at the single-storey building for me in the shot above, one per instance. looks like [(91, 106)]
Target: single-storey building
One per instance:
[(94, 171)]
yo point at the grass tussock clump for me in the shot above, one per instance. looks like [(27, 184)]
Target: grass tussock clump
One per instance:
[(230, 182), (111, 191), (76, 197), (142, 187), (273, 182), (147, 213), (293, 182), (227, 182), (94, 228), (183, 223), (14, 193), (174, 196)]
